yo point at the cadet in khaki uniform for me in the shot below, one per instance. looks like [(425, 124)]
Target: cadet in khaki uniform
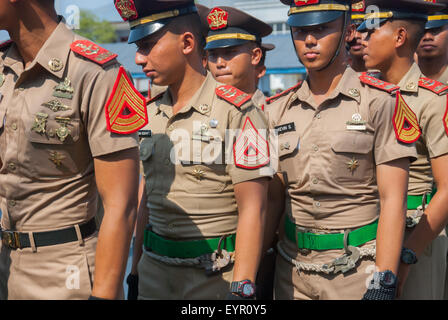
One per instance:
[(401, 26), (236, 56), (204, 161), (235, 52), (341, 159), (355, 46), (432, 51), (64, 136)]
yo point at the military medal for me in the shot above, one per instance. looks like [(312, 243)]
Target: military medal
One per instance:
[(56, 158), (64, 90), (40, 123), (202, 134), (356, 123), (63, 132), (198, 174), (55, 105), (352, 165)]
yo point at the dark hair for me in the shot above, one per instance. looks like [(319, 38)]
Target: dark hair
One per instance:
[(189, 23), (415, 29)]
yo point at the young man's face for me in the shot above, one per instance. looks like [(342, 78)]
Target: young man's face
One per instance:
[(160, 57), (356, 48), (434, 44), (235, 65), (379, 46), (316, 45)]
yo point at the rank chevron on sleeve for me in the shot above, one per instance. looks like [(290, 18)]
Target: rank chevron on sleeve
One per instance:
[(405, 122), (251, 150), (126, 108)]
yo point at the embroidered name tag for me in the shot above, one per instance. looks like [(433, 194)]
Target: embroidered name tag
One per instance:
[(284, 128), (144, 133)]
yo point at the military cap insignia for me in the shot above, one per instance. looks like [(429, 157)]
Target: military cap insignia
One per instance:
[(405, 122), (232, 95), (92, 51), (359, 6), (126, 9), (251, 150), (433, 85), (377, 83), (126, 107), (217, 19), (284, 93), (305, 2)]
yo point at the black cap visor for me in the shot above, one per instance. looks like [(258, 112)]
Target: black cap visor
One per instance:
[(314, 18)]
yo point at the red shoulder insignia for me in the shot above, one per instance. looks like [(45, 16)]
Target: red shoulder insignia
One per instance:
[(92, 51), (126, 107), (156, 97), (433, 85), (281, 94), (377, 83), (251, 150), (405, 122), (5, 44), (233, 95)]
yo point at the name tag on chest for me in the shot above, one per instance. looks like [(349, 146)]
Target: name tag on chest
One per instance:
[(145, 133), (284, 128)]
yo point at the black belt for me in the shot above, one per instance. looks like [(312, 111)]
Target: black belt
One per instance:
[(19, 240)]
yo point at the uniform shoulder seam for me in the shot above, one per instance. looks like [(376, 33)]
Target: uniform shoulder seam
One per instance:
[(281, 94)]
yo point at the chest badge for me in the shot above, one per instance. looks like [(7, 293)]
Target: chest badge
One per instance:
[(356, 123), (55, 105), (63, 132), (64, 90), (56, 158), (198, 174), (352, 165), (40, 123)]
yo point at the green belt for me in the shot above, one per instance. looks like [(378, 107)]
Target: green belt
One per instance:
[(416, 201), (186, 249), (313, 241)]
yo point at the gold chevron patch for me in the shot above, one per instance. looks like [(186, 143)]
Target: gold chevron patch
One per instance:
[(126, 108), (405, 122)]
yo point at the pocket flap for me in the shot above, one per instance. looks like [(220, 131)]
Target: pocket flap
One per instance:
[(146, 148), (287, 144), (53, 133), (352, 142)]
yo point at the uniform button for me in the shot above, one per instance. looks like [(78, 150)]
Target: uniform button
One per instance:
[(12, 203), (315, 181), (167, 161), (171, 226), (316, 148), (12, 166), (14, 126), (318, 116), (317, 204), (171, 128)]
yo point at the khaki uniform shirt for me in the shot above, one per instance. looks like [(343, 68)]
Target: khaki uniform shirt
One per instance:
[(444, 77), (259, 99), (429, 108), (47, 183), (190, 186), (330, 170)]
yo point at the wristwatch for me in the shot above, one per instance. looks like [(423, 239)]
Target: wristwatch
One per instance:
[(387, 279), (243, 288), (408, 256)]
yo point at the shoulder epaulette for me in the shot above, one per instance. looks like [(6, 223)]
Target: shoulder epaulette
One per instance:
[(433, 85), (232, 95), (281, 94), (156, 97), (92, 51), (5, 44), (377, 83)]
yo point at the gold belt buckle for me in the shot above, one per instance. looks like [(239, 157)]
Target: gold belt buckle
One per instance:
[(11, 239)]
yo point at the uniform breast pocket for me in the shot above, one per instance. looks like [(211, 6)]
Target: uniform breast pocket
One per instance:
[(288, 148), (52, 149), (353, 160), (203, 170)]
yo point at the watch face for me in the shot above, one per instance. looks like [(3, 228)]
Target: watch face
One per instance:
[(248, 290), (388, 279)]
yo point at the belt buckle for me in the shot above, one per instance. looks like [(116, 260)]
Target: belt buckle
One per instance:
[(11, 239)]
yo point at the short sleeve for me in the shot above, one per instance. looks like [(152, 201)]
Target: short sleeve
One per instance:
[(387, 146), (250, 150), (101, 140)]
